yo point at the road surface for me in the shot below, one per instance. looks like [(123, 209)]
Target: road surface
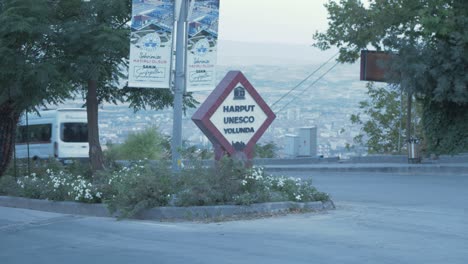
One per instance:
[(380, 218)]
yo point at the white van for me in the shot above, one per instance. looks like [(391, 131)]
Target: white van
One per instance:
[(60, 133)]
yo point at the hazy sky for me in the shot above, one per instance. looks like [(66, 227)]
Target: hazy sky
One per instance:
[(281, 21)]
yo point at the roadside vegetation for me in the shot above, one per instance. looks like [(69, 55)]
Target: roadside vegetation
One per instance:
[(146, 184), (144, 180)]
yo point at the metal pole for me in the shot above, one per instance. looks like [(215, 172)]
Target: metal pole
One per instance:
[(408, 118), (401, 120), (179, 88), (27, 142)]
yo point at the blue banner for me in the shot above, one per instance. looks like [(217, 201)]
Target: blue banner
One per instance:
[(151, 43)]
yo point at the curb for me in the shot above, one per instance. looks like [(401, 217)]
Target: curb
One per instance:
[(166, 213), (388, 168)]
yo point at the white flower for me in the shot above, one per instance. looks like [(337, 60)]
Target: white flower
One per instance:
[(280, 182), (98, 195), (244, 182)]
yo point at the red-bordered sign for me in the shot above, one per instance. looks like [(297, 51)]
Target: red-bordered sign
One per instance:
[(234, 116)]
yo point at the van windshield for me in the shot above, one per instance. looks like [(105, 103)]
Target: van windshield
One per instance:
[(74, 132)]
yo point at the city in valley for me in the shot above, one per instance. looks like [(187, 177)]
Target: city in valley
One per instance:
[(325, 103)]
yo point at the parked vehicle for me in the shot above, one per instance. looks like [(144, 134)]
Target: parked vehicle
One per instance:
[(60, 133)]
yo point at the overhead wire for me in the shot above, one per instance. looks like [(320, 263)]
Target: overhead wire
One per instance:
[(304, 80), (303, 91)]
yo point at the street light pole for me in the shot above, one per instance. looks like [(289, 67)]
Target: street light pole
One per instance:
[(179, 88)]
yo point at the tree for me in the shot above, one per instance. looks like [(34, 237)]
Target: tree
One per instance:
[(383, 120), (96, 45), (430, 39), (95, 40), (30, 68)]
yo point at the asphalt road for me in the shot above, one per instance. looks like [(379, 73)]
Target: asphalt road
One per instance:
[(380, 218)]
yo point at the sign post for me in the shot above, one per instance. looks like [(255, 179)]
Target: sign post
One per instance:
[(234, 117), (179, 88)]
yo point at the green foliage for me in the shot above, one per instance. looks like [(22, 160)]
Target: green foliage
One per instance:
[(142, 185), (30, 63), (430, 38), (57, 185), (39, 167), (209, 186), (8, 186), (232, 183), (257, 186), (381, 117), (441, 133), (193, 153), (268, 150), (147, 144), (138, 187)]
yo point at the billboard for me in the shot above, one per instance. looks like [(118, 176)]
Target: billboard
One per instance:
[(375, 66), (152, 29), (202, 45)]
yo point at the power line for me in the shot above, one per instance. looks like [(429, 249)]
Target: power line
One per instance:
[(301, 82), (318, 79)]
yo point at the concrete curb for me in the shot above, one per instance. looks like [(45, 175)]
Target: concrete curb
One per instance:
[(385, 168), (166, 213)]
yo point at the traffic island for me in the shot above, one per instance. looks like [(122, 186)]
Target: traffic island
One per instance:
[(192, 213)]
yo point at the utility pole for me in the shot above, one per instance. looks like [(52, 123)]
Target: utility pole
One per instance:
[(408, 117), (179, 89)]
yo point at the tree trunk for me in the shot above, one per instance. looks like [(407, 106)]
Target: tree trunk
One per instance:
[(95, 152), (8, 123)]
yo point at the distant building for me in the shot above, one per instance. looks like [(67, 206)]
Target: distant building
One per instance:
[(302, 145), (307, 142), (291, 149)]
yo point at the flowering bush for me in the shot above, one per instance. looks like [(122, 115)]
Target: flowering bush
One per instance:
[(141, 185), (137, 187), (259, 187), (232, 183), (208, 186), (58, 186)]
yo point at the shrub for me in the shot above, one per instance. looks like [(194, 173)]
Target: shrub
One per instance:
[(232, 183), (53, 185), (137, 187), (260, 187), (209, 186), (147, 144), (141, 185), (8, 186)]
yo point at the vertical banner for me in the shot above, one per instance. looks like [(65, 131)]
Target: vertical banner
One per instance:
[(202, 45), (151, 43)]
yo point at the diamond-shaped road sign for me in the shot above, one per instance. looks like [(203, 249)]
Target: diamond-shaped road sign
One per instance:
[(234, 116)]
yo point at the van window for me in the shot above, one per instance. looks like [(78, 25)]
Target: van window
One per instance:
[(74, 132), (37, 134)]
